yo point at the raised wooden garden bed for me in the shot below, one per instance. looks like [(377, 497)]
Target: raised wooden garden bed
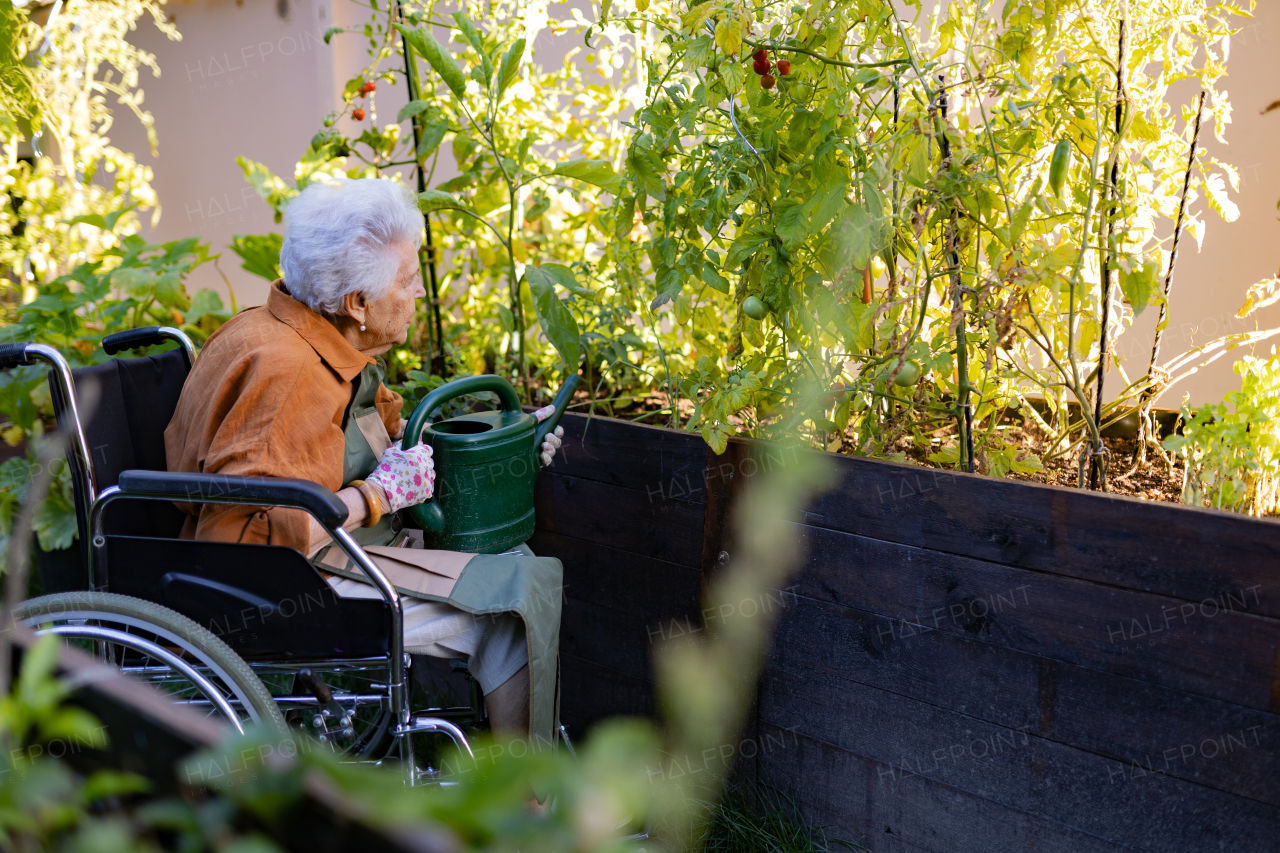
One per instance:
[(961, 663)]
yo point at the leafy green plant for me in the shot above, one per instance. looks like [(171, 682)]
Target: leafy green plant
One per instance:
[(962, 198), (517, 231), (132, 284), (1232, 449), (59, 168), (761, 819)]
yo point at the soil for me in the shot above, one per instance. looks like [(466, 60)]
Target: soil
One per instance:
[(1156, 480)]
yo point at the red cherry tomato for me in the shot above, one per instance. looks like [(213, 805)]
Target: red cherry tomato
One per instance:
[(767, 81), (760, 55), (784, 67), (357, 114), (761, 66)]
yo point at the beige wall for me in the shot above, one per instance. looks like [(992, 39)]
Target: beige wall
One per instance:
[(1209, 286), (245, 81)]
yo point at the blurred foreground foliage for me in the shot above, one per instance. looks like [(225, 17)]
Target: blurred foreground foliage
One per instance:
[(240, 795)]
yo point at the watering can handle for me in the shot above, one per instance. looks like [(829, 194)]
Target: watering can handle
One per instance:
[(456, 388), (561, 402)]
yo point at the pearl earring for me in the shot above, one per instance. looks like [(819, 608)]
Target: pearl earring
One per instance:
[(362, 327)]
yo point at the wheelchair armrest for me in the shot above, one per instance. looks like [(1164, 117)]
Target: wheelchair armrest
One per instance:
[(327, 508)]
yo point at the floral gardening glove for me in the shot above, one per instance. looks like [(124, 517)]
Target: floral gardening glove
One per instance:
[(552, 442), (407, 477)]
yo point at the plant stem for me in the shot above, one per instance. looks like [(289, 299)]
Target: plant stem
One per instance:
[(20, 550), (435, 338), (1097, 470), (1173, 252), (886, 63), (957, 309)]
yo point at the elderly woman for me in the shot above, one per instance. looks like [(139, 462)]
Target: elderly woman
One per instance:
[(294, 388)]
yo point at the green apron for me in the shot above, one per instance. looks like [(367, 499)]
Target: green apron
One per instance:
[(520, 583)]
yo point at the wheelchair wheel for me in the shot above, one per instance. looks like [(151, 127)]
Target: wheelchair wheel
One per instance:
[(160, 647)]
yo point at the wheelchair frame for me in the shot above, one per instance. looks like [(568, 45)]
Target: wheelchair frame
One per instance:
[(319, 502)]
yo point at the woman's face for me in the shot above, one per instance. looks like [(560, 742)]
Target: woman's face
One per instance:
[(386, 319)]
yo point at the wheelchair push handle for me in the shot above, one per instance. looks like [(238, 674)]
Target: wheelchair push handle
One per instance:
[(13, 355), (132, 339), (149, 336)]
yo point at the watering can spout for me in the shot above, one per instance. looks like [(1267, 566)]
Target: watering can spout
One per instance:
[(560, 404)]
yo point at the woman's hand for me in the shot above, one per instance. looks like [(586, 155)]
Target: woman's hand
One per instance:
[(552, 442), (550, 445), (406, 477)]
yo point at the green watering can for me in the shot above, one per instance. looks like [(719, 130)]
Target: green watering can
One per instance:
[(486, 464)]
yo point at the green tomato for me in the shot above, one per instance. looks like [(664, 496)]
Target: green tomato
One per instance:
[(909, 374), (1059, 165), (754, 308)]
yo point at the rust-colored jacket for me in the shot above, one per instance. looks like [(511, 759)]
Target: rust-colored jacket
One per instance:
[(267, 397)]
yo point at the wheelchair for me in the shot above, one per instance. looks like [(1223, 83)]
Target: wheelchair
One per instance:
[(251, 633)]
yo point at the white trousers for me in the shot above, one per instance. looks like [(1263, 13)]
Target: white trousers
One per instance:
[(493, 646)]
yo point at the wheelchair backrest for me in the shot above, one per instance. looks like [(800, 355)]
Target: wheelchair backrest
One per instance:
[(135, 400)]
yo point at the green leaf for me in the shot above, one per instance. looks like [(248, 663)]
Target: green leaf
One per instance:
[(170, 292), (206, 301), (598, 172), (135, 281), (38, 663), (793, 225), (113, 783), (949, 455), (716, 438), (434, 126), (507, 318), (744, 246), (557, 322), (714, 279), (331, 32), (260, 254), (510, 66), (426, 46), (412, 108), (734, 75), (1140, 286), (430, 201), (108, 222), (271, 188), (473, 37), (729, 34), (94, 219)]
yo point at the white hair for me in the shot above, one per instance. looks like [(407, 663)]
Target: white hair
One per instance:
[(337, 238)]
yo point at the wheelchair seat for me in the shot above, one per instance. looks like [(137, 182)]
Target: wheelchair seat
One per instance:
[(267, 602)]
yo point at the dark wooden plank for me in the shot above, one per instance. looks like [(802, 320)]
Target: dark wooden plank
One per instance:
[(1227, 655), (1187, 553), (629, 584), (726, 478), (590, 693), (1143, 726), (620, 518), (847, 794), (663, 464), (1016, 769), (607, 638)]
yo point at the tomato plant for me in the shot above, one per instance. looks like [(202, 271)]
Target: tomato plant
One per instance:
[(944, 192)]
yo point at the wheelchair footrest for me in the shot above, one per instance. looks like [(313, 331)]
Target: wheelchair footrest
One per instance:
[(435, 725)]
